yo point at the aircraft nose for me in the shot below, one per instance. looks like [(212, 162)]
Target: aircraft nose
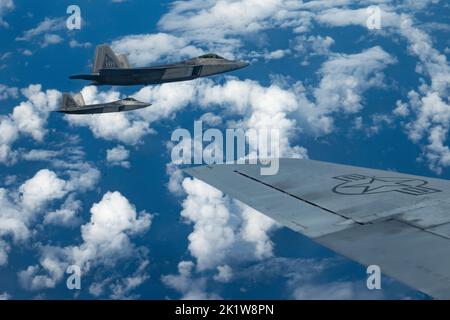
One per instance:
[(242, 64)]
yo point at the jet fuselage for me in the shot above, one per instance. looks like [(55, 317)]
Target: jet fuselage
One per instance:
[(187, 70), (115, 106)]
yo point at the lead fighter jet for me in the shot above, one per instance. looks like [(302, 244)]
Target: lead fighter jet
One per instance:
[(396, 221), (76, 105), (112, 69)]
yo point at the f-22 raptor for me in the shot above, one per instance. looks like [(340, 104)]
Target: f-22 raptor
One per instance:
[(112, 69), (76, 105)]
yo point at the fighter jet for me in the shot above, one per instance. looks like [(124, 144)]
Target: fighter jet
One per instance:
[(76, 105), (112, 69)]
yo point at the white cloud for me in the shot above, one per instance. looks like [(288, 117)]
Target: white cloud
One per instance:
[(106, 237), (8, 92), (256, 229), (145, 49), (5, 6), (106, 240), (118, 156), (306, 47), (9, 134), (40, 155), (261, 108), (345, 77), (75, 44), (211, 119), (22, 208), (43, 187), (5, 296), (4, 250), (121, 288), (222, 231), (45, 29), (344, 17), (185, 283), (401, 110), (27, 52), (224, 274), (176, 177), (28, 118), (67, 215), (430, 104), (30, 278), (430, 126), (167, 99), (50, 39), (218, 24)]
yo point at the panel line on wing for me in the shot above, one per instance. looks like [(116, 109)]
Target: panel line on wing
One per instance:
[(293, 195)]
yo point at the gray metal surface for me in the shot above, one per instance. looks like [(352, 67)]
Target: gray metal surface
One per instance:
[(75, 105), (398, 221)]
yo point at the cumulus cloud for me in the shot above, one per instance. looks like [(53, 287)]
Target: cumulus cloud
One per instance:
[(19, 209), (176, 177), (44, 32), (107, 237), (191, 287), (118, 156), (66, 215), (8, 92), (121, 288), (220, 24), (429, 103), (28, 118), (211, 119), (50, 39), (145, 49), (260, 108), (45, 186), (346, 77), (106, 240), (224, 273), (5, 6), (306, 47), (24, 206), (223, 230)]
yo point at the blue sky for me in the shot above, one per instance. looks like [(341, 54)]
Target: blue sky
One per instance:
[(137, 227)]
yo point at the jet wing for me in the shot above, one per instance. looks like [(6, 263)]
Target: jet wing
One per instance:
[(397, 221)]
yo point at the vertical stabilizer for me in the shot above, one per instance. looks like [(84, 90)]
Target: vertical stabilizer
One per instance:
[(106, 59), (69, 102)]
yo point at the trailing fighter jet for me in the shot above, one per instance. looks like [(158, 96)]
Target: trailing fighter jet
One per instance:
[(111, 69), (399, 222), (76, 105)]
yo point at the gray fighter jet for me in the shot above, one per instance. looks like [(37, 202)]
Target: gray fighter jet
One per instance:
[(111, 69), (399, 222), (76, 105)]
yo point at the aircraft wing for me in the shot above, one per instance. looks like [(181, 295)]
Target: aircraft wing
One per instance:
[(397, 221)]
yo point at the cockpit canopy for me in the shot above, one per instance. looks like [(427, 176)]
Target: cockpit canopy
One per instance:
[(211, 56), (129, 99)]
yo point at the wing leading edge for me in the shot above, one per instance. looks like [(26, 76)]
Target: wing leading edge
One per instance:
[(397, 221)]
